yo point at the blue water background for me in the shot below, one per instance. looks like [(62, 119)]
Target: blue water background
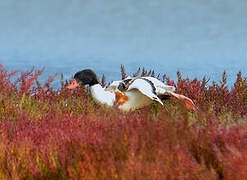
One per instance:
[(197, 37)]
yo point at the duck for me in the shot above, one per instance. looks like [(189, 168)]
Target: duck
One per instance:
[(129, 94)]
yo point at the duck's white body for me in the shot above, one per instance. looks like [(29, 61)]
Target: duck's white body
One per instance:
[(138, 94), (101, 96), (134, 98)]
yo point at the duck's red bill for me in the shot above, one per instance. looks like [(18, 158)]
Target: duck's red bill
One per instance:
[(74, 84)]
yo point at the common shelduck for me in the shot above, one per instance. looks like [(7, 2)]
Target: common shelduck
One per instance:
[(128, 94)]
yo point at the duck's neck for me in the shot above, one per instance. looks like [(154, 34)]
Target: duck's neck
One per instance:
[(101, 96)]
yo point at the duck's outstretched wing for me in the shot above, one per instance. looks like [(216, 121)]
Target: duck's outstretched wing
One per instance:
[(120, 84), (113, 86), (161, 87), (146, 88)]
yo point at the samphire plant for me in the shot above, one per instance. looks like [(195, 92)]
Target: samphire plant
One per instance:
[(48, 133)]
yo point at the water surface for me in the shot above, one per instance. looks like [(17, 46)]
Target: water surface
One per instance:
[(196, 37)]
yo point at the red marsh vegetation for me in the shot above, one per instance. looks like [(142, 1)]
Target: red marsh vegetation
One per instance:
[(48, 133)]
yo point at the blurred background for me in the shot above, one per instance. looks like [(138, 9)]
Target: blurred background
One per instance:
[(196, 37)]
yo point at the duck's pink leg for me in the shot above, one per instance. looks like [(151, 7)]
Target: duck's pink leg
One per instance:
[(187, 101)]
